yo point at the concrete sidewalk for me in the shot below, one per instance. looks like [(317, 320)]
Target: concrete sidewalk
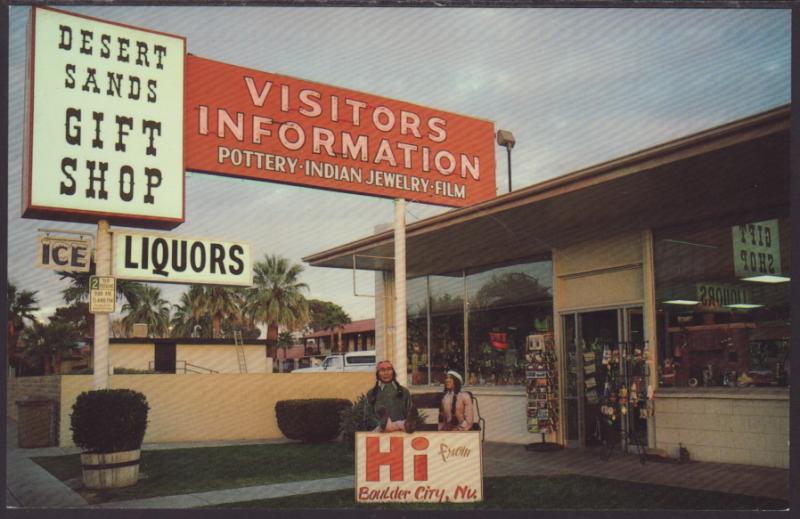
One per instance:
[(30, 486)]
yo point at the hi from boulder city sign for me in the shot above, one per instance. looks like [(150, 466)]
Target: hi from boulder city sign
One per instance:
[(104, 122), (174, 259), (421, 467), (64, 254)]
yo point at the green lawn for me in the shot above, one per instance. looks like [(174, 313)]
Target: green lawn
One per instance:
[(548, 493), (181, 471)]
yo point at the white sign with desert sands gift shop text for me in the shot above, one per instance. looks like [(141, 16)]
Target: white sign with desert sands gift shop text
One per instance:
[(167, 258), (428, 467), (104, 122)]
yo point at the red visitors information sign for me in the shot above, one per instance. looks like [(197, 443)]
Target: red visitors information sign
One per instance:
[(430, 467), (264, 126)]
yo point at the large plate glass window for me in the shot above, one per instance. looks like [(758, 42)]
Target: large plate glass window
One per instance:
[(723, 302)]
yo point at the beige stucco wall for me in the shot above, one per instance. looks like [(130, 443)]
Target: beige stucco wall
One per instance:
[(735, 426), (504, 410), (604, 253), (222, 358), (599, 273), (505, 414), (219, 406), (131, 356)]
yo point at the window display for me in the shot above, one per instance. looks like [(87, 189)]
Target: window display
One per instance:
[(500, 307), (723, 301)]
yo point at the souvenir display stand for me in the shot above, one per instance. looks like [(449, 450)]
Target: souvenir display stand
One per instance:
[(626, 399), (542, 389)]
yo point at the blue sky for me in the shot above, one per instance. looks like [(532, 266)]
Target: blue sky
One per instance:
[(575, 86)]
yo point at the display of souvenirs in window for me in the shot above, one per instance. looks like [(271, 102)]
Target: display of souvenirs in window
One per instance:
[(541, 383), (499, 361), (418, 365), (736, 354)]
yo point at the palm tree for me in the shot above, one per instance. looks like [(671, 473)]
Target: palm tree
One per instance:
[(78, 289), (49, 342), (150, 309), (190, 313), (21, 308), (221, 303), (285, 341), (277, 298)]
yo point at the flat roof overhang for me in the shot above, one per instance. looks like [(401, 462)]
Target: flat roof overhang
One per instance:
[(734, 173)]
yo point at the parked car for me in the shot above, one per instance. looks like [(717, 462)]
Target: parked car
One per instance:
[(351, 361), (309, 361)]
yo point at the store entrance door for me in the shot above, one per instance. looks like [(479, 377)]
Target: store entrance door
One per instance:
[(600, 347)]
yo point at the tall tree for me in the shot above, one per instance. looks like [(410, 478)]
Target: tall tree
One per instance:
[(324, 315), (150, 308), (190, 318), (245, 323), (78, 289), (78, 315), (22, 305), (49, 343), (285, 341), (221, 303), (277, 297)]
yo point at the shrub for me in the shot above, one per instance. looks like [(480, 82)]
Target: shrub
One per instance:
[(310, 420), (109, 420), (353, 418)]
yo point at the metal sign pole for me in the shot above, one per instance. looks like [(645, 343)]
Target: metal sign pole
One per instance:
[(101, 320), (400, 360)]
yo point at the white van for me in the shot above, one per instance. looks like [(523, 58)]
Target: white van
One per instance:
[(351, 361)]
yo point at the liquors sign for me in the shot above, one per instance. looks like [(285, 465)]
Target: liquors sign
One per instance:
[(431, 467), (167, 258), (104, 122)]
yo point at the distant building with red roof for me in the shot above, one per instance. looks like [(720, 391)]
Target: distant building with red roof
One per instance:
[(353, 336)]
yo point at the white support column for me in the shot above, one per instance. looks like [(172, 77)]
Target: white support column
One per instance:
[(400, 360), (648, 271), (561, 349), (384, 315), (101, 321)]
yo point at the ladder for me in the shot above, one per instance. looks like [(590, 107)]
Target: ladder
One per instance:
[(237, 341)]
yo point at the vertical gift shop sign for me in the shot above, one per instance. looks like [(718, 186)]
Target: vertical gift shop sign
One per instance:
[(264, 126), (104, 122)]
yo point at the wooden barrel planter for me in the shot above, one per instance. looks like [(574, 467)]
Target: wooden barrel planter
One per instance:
[(111, 469)]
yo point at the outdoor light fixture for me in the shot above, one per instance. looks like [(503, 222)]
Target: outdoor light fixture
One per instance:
[(767, 279), (506, 138), (686, 302), (744, 306)]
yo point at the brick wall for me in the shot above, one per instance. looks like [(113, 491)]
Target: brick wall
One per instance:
[(19, 387), (748, 426)]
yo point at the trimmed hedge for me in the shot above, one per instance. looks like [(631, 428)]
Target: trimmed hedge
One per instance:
[(312, 420), (109, 420)]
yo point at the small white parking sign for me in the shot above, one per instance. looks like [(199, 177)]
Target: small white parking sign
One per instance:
[(102, 294)]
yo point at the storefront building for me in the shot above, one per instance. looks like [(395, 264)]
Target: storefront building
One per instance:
[(661, 279)]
